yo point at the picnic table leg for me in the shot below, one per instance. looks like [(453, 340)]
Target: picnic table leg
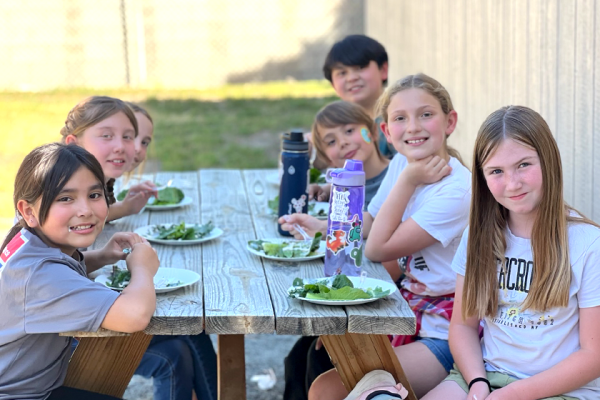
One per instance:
[(231, 367), (106, 364), (354, 355)]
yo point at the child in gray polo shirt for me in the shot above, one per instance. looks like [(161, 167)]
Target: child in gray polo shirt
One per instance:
[(61, 201)]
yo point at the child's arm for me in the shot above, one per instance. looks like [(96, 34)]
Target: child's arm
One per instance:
[(134, 201), (390, 237), (312, 225), (576, 370), (465, 346), (132, 310), (112, 251)]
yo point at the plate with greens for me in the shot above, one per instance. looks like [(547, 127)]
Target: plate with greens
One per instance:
[(340, 290), (167, 199), (165, 280), (179, 234), (288, 249), (317, 209)]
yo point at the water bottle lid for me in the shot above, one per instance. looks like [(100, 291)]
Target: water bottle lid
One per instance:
[(351, 175), (294, 141)]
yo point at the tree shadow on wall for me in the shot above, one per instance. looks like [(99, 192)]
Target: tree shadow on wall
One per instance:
[(308, 64)]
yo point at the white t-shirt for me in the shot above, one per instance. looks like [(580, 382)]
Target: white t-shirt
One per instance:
[(527, 343), (442, 210)]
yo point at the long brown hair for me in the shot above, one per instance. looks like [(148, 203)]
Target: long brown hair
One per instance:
[(136, 108), (43, 174), (341, 113), (426, 83), (488, 219)]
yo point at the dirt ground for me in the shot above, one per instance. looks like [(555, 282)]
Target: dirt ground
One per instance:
[(262, 352)]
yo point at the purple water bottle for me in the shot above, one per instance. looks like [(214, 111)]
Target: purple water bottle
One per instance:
[(344, 223)]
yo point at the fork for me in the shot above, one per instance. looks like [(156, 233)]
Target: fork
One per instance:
[(302, 232)]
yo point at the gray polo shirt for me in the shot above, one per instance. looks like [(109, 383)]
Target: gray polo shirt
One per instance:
[(43, 292)]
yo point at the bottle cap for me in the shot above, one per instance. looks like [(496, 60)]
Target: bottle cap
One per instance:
[(294, 141), (351, 175)]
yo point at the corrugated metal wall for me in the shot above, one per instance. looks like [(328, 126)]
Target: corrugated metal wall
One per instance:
[(489, 53)]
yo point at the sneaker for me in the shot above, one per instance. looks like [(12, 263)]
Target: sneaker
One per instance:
[(377, 383)]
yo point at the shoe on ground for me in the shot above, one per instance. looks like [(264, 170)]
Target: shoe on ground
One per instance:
[(375, 383)]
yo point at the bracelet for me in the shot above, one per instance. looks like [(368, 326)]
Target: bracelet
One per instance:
[(480, 379)]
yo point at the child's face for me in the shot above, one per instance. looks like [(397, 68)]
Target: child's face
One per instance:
[(346, 142), (417, 127), (514, 176), (77, 215), (112, 142), (362, 86), (143, 139)]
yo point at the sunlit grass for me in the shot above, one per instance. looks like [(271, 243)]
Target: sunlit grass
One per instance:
[(233, 126)]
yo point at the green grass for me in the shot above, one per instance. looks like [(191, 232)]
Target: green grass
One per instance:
[(234, 126)]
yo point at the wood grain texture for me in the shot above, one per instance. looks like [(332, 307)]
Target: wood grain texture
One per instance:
[(292, 316), (106, 364), (236, 295), (180, 311), (231, 367), (390, 315), (355, 355), (584, 105)]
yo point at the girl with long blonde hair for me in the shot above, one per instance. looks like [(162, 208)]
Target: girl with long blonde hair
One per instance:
[(528, 268)]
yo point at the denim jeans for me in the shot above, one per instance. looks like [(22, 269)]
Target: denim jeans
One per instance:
[(178, 364)]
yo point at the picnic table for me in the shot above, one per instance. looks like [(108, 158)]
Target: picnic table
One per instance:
[(238, 294)]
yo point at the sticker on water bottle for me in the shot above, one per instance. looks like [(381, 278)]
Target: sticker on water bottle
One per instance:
[(356, 254), (354, 235), (339, 206), (336, 241)]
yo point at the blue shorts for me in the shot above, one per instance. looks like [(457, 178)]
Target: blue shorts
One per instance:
[(440, 349)]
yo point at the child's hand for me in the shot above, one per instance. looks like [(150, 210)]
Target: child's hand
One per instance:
[(142, 257), (425, 171), (318, 192), (138, 196), (479, 391), (311, 225), (113, 250)]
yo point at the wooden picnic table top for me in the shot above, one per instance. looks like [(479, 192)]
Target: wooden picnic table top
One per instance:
[(240, 293)]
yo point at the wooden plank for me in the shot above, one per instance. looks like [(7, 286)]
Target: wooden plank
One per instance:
[(566, 93), (236, 297), (355, 355), (106, 364), (292, 317), (179, 312), (231, 367), (390, 315), (584, 107), (549, 63), (533, 43), (595, 181)]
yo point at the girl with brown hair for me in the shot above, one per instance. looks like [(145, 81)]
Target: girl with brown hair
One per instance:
[(528, 268)]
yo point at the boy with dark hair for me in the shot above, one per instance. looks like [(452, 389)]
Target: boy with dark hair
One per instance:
[(357, 67)]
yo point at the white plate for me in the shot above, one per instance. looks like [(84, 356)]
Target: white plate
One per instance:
[(144, 231), (184, 202), (273, 179), (163, 275), (318, 254), (368, 283)]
